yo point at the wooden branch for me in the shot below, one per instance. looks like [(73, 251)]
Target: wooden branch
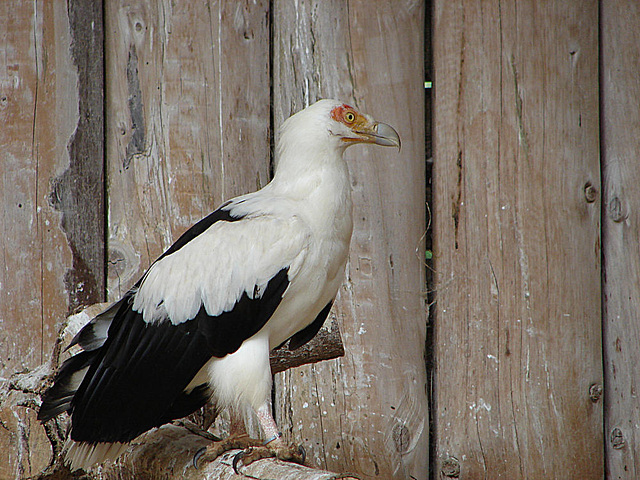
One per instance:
[(326, 345), (167, 452)]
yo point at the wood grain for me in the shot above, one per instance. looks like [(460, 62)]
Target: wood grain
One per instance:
[(183, 132), (51, 194), (516, 240), (620, 90), (365, 413)]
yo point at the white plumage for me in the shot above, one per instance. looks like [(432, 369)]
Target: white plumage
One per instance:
[(218, 266), (263, 268)]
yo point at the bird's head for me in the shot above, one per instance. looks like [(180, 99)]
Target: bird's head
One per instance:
[(352, 127), (330, 122), (321, 132)]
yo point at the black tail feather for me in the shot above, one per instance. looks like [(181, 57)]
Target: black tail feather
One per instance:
[(58, 397)]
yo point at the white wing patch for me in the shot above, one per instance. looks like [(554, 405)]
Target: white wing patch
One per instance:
[(219, 265)]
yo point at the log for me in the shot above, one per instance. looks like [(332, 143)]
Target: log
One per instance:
[(167, 452)]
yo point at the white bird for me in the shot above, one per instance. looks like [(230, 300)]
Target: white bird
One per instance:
[(263, 268)]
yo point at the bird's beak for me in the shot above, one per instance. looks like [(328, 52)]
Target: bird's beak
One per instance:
[(385, 135), (378, 133)]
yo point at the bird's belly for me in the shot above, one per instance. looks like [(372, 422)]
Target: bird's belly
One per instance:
[(242, 377)]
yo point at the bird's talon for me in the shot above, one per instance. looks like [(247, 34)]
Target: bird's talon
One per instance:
[(198, 455), (237, 457), (303, 454)]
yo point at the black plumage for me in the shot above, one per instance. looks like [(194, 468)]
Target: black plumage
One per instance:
[(137, 379)]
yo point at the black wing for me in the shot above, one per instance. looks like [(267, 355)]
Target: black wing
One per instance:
[(138, 379), (92, 336), (134, 378)]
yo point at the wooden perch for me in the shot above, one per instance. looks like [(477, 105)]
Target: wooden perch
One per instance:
[(327, 344), (167, 452)]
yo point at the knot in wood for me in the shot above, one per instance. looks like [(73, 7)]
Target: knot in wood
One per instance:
[(450, 467), (616, 210), (590, 192), (617, 439), (401, 438), (595, 392)]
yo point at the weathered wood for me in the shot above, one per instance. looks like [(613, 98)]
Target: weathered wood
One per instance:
[(517, 245), (184, 132), (79, 191), (620, 27), (365, 413), (167, 452), (51, 193)]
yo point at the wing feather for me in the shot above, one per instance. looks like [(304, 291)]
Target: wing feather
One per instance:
[(216, 268)]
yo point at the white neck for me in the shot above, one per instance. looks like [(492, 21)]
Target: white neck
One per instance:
[(311, 169)]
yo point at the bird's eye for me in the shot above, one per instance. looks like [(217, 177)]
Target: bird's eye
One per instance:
[(350, 117)]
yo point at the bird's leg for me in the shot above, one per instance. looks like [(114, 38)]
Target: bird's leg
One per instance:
[(238, 438), (252, 449), (274, 446)]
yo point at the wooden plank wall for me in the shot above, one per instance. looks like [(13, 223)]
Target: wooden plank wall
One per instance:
[(366, 412), (620, 90), (517, 207), (51, 192), (184, 132), (517, 240)]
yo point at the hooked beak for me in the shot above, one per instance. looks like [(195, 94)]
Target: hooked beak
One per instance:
[(379, 134), (385, 135)]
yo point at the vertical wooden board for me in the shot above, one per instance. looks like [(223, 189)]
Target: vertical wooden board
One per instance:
[(79, 191), (620, 88), (188, 120), (51, 253), (516, 240), (33, 153), (35, 255), (367, 412)]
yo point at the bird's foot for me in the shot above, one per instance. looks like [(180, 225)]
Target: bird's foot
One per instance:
[(215, 449), (276, 448)]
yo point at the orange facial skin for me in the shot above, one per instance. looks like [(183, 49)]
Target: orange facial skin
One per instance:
[(348, 116), (363, 128)]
